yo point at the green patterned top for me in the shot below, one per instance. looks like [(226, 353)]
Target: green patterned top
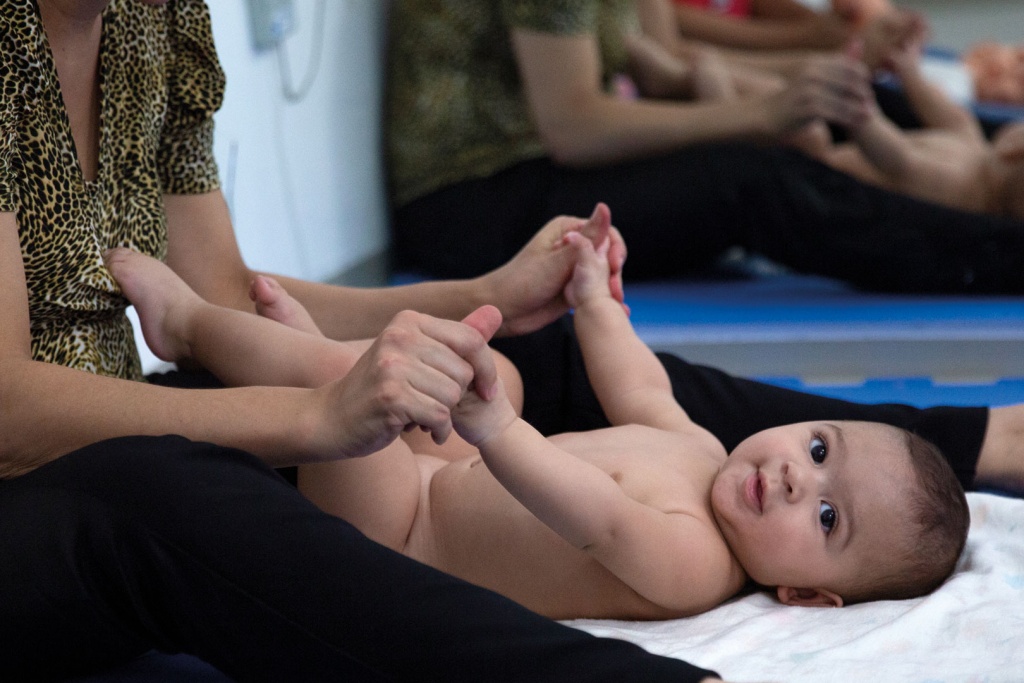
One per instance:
[(456, 109)]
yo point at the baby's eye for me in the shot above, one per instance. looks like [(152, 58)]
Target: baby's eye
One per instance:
[(819, 449), (827, 515)]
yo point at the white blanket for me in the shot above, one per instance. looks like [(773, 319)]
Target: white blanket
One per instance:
[(971, 630)]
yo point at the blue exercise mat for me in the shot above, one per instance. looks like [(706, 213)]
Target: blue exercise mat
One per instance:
[(819, 329), (916, 391), (805, 306)]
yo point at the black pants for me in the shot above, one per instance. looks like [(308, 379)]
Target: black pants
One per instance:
[(158, 542), (680, 212)]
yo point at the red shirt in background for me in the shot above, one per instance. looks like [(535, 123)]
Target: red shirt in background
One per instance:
[(736, 8)]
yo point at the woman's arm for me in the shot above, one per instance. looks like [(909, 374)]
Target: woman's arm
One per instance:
[(659, 19), (527, 290), (929, 102), (581, 125), (48, 410)]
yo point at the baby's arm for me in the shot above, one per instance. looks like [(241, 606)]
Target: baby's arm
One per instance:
[(583, 504), (930, 103), (888, 150), (892, 151), (629, 380)]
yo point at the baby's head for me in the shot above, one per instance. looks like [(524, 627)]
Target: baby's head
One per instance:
[(833, 513)]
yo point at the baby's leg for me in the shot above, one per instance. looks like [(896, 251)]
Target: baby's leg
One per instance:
[(378, 494), (815, 140), (238, 347), (273, 301)]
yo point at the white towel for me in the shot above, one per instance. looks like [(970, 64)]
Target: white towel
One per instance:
[(971, 630)]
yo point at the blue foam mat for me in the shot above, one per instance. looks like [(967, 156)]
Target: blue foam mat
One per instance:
[(790, 325), (916, 391), (805, 301)]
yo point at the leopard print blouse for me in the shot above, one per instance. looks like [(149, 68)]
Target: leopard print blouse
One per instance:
[(160, 84), (456, 109)]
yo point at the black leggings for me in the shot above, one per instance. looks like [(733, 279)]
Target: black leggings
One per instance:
[(680, 212), (158, 542)]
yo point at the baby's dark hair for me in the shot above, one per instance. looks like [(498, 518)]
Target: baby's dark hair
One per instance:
[(939, 522)]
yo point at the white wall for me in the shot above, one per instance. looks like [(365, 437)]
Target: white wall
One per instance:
[(304, 180)]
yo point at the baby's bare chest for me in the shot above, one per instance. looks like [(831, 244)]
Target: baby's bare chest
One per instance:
[(469, 510)]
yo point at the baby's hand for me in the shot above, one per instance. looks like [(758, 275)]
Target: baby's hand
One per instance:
[(590, 276), (898, 41), (476, 419)]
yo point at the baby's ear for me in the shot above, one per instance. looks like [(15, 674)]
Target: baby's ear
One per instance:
[(808, 597), (1009, 142)]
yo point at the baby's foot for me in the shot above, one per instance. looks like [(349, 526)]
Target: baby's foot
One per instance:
[(273, 302), (162, 299)]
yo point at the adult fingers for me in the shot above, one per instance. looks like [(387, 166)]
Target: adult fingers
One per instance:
[(465, 341), (597, 227), (486, 320), (616, 262)]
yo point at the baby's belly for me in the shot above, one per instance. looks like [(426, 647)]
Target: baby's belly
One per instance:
[(475, 530)]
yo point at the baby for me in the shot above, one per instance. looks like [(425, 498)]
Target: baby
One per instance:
[(949, 161), (646, 519)]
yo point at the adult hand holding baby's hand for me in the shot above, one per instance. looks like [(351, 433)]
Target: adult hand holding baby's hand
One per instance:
[(836, 89), (896, 41), (412, 376), (477, 419), (529, 288)]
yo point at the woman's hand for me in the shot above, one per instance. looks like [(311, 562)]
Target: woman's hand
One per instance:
[(529, 289), (892, 31), (412, 376), (836, 89)]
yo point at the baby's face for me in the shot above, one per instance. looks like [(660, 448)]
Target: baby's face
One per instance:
[(809, 505)]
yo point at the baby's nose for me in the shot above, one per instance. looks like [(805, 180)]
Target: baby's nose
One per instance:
[(794, 481)]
